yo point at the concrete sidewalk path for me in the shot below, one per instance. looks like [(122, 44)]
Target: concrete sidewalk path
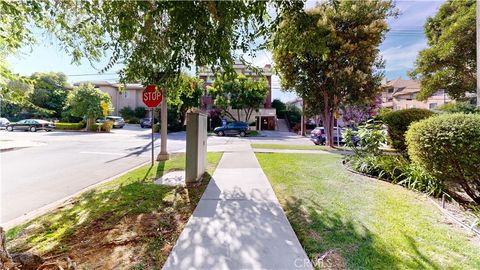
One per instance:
[(238, 223)]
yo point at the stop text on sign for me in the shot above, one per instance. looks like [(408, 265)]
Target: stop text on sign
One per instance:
[(151, 96)]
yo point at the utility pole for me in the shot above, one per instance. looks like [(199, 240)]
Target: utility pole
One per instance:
[(478, 54)]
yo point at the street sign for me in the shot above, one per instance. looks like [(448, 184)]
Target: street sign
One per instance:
[(152, 97), (104, 106)]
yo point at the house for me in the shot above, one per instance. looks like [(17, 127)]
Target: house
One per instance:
[(265, 117), (121, 95), (401, 94)]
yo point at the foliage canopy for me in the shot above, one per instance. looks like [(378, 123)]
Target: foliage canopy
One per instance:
[(329, 55), (449, 62)]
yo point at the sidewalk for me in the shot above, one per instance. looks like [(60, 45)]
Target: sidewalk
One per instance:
[(238, 223)]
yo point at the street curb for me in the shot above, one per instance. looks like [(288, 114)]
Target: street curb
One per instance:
[(56, 204), (12, 148)]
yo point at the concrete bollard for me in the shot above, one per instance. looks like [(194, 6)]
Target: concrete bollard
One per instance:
[(196, 152)]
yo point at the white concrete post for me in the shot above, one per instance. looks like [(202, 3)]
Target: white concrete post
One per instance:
[(163, 130), (196, 152)]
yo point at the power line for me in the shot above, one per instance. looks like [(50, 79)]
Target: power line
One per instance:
[(90, 74)]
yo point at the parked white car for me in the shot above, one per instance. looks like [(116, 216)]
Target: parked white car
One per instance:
[(4, 123)]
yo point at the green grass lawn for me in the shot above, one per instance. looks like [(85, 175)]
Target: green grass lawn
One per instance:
[(296, 147), (348, 221), (126, 222)]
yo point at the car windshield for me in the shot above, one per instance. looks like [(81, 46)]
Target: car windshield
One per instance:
[(40, 121), (21, 122)]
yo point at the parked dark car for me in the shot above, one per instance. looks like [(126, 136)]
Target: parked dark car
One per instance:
[(4, 123), (318, 136), (117, 121), (31, 125), (147, 122), (232, 128)]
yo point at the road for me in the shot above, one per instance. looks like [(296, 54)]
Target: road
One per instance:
[(59, 164)]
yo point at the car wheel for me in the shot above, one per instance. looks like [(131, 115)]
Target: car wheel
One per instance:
[(9, 128), (220, 133), (33, 129), (142, 126), (242, 133)]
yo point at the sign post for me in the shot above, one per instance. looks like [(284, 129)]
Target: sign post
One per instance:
[(152, 97)]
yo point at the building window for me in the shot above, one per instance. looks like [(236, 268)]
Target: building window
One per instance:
[(432, 105)]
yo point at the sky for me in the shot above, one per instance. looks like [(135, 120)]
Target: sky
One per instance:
[(399, 50)]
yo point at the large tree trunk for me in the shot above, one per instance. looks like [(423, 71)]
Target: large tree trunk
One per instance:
[(327, 120), (90, 123)]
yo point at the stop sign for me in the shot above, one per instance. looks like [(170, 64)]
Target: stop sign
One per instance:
[(152, 97)]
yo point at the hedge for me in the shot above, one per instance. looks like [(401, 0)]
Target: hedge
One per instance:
[(448, 147), (69, 126), (398, 122)]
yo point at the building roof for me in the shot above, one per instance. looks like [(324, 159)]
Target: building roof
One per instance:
[(130, 86), (96, 83), (403, 87)]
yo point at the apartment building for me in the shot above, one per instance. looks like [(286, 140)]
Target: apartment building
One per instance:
[(266, 116), (401, 94), (121, 95)]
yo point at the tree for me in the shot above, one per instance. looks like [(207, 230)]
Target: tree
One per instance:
[(49, 91), (154, 40), (280, 107), (449, 62), (239, 93), (360, 112), (85, 101), (185, 94), (329, 55)]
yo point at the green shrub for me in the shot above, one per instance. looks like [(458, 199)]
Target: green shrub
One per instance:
[(140, 112), (448, 147), (398, 123), (458, 107), (369, 136), (94, 127), (382, 112), (132, 120), (127, 112), (397, 170), (69, 126), (156, 128)]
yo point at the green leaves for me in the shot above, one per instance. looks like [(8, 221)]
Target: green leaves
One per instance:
[(450, 60), (85, 101), (239, 93)]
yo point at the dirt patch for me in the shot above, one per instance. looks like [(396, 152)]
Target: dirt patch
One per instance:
[(332, 259)]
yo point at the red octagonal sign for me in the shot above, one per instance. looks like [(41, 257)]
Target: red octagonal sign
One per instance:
[(152, 97)]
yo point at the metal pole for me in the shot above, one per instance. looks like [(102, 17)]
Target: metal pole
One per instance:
[(478, 54), (152, 122)]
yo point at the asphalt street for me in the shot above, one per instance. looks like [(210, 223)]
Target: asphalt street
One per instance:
[(62, 163)]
